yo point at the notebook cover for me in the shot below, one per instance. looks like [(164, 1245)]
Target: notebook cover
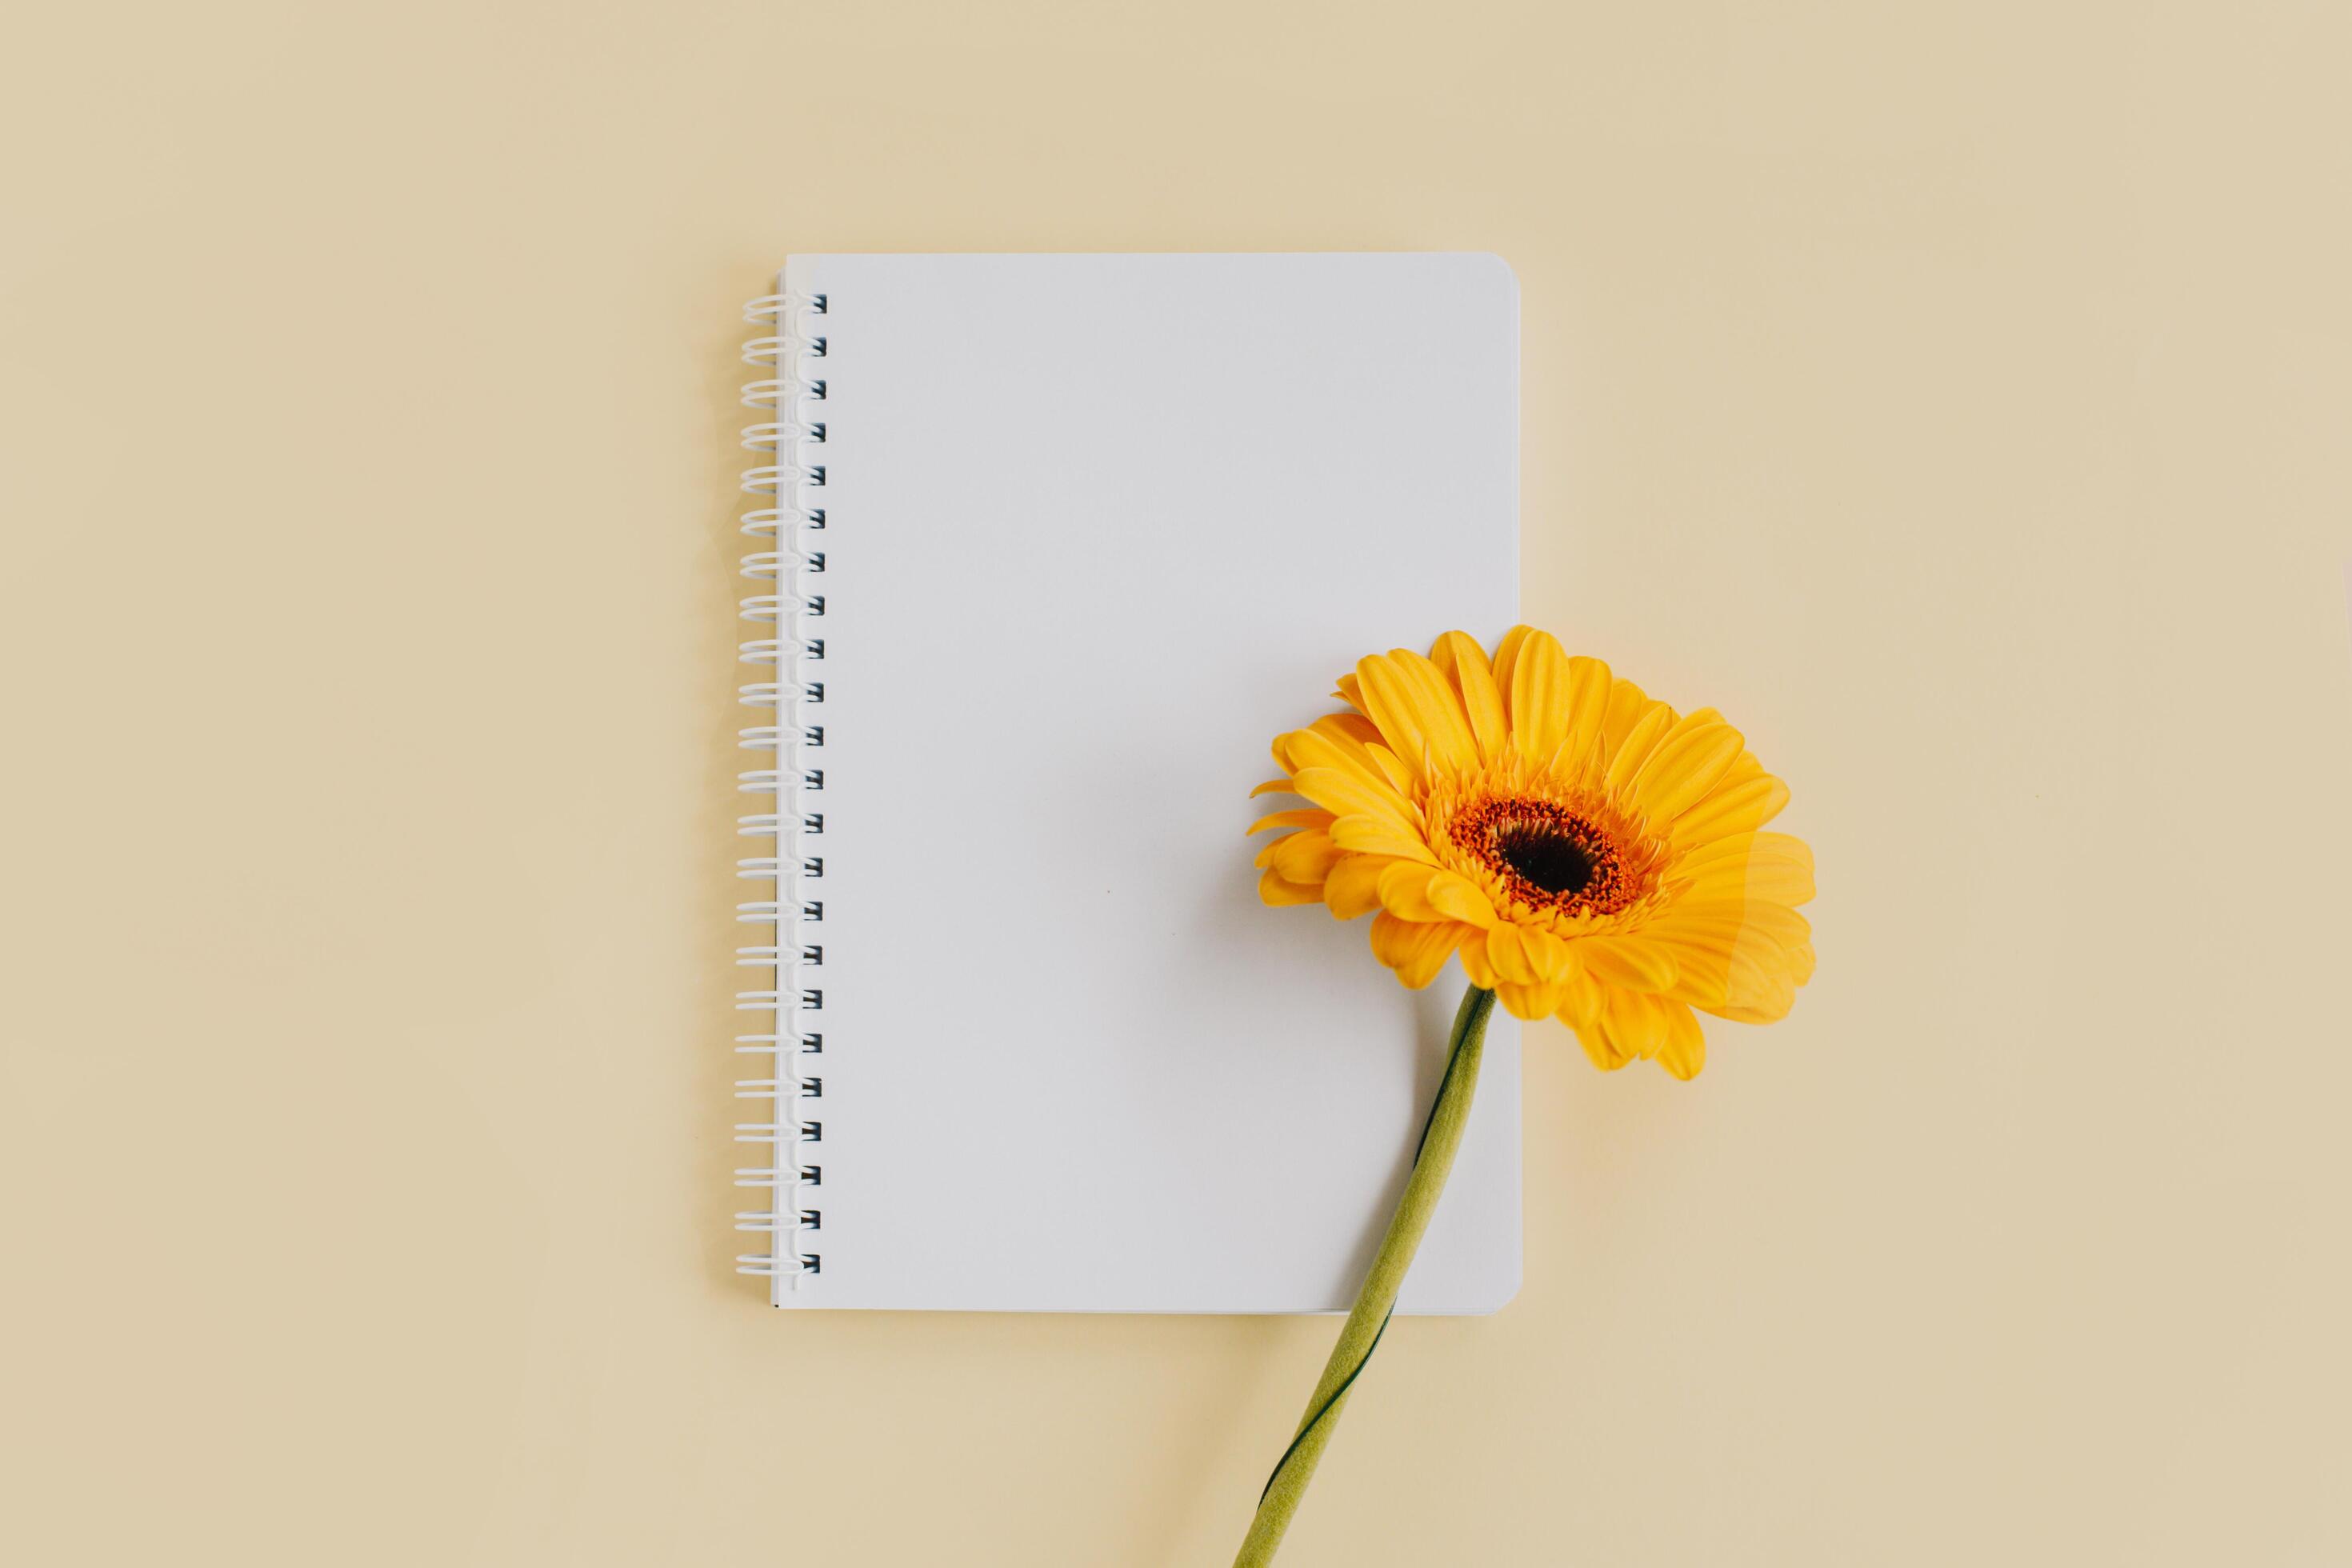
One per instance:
[(1096, 528)]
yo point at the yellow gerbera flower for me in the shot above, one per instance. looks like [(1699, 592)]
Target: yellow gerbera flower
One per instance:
[(1588, 851)]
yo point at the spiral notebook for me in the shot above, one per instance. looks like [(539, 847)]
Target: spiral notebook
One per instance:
[(1050, 548)]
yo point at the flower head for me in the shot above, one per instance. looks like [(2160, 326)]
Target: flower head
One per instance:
[(1588, 851)]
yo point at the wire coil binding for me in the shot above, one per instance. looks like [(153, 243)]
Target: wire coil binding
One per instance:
[(790, 441)]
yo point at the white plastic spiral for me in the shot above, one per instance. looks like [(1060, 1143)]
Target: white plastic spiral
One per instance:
[(791, 440)]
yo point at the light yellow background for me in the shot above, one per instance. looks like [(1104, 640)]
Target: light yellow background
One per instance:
[(1956, 395)]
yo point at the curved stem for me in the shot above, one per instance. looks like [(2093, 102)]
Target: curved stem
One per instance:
[(1441, 1137)]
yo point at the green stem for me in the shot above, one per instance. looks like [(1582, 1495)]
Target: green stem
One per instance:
[(1441, 1137)]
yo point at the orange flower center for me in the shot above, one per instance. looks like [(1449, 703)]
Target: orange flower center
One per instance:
[(1546, 855)]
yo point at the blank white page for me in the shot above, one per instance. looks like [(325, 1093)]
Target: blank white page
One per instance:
[(1098, 528)]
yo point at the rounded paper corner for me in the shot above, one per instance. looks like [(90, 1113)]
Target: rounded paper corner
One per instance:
[(1488, 1308), (1496, 262)]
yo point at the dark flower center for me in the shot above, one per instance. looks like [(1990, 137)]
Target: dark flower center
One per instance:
[(1546, 857), (1549, 855)]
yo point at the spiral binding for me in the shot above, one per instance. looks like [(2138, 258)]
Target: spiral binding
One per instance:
[(795, 655)]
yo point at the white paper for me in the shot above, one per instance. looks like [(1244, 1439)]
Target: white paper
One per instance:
[(1098, 527)]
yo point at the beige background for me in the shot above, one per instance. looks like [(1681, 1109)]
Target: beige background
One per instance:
[(1956, 395)]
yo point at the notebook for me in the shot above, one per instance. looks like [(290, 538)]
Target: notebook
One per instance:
[(1049, 549)]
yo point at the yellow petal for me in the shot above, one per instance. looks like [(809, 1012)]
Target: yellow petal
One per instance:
[(1305, 858), (1507, 658), (1529, 1002), (1631, 962), (1375, 836), (1599, 1046), (1690, 761), (1350, 692), (1708, 970), (1303, 865), (1272, 786), (1769, 1007), (1738, 804), (1272, 889), (1347, 727), (1414, 949), (1358, 741), (1699, 862), (1399, 776), (1684, 1051), (1751, 868), (1778, 922), (1627, 706), (1353, 887), (1408, 698), (1442, 700), (1460, 898), (1729, 961), (1589, 683), (1404, 892), (1473, 681), (1627, 756), (1607, 1039), (1581, 996), (1547, 956), (1306, 749), (1290, 819), (1475, 965), (1505, 956), (1417, 892), (1344, 792), (1539, 696), (1635, 1024)]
